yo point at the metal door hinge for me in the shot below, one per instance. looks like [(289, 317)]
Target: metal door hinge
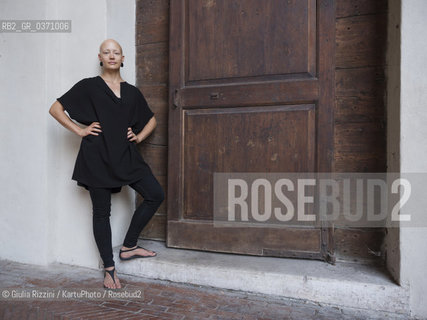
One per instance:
[(176, 101), (214, 95)]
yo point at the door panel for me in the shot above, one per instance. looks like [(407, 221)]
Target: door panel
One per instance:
[(254, 45), (239, 136), (250, 90)]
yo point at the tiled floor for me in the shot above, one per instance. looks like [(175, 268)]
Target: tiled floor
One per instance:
[(160, 299)]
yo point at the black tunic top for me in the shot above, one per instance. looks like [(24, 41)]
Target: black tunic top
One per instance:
[(110, 159)]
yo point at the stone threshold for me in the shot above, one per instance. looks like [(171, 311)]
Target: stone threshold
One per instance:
[(344, 284)]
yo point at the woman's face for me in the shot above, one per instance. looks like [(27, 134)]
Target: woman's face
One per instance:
[(111, 55)]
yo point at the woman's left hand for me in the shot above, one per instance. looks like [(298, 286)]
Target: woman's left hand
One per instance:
[(132, 136)]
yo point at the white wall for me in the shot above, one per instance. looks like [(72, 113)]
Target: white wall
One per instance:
[(45, 216), (23, 140), (413, 146)]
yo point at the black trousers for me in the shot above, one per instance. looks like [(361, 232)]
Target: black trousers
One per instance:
[(151, 191)]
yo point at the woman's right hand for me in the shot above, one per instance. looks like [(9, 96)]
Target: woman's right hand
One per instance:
[(93, 128)]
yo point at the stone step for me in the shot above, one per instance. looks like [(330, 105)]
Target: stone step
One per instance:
[(344, 284)]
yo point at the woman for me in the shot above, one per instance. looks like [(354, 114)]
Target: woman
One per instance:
[(117, 117)]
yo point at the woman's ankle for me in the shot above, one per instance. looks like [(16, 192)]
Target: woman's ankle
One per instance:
[(126, 248)]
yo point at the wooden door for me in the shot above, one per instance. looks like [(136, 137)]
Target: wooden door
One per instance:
[(251, 87)]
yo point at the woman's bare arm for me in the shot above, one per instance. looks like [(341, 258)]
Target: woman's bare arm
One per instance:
[(146, 131), (57, 111)]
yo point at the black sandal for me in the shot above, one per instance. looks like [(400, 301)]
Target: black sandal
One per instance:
[(111, 273), (135, 256)]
